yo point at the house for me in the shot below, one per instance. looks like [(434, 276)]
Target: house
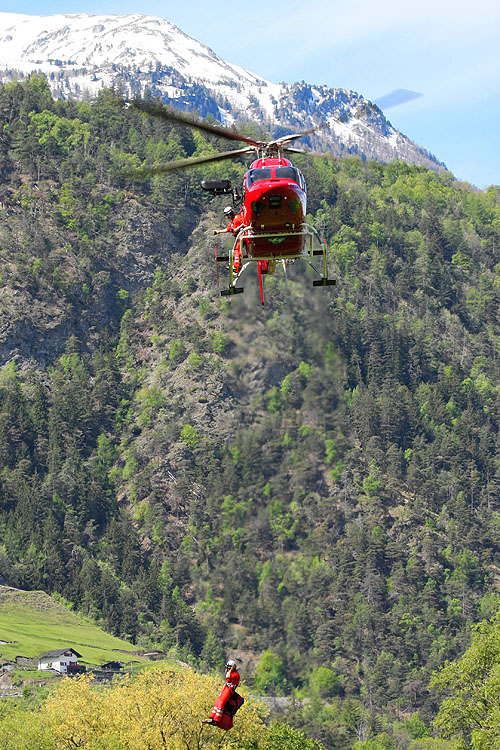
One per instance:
[(60, 660)]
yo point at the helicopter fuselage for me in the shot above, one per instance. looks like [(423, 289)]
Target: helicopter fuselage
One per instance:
[(274, 208)]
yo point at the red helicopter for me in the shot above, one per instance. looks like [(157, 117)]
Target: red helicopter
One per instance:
[(272, 214)]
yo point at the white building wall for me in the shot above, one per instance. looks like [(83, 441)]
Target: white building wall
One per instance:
[(59, 663)]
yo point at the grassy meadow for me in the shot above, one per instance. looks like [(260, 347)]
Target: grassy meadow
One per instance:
[(31, 622)]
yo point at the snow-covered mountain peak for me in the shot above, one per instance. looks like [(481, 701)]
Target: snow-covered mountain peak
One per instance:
[(81, 53), (80, 40)]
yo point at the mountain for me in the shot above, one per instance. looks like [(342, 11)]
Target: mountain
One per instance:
[(80, 54), (313, 486)]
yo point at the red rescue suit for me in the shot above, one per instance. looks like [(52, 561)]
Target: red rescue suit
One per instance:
[(234, 226), (228, 702)]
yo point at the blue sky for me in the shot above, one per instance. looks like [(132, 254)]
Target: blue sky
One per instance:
[(449, 52)]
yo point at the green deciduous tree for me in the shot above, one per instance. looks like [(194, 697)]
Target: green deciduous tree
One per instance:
[(471, 712)]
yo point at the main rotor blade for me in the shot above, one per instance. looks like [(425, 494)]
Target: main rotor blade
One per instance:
[(293, 137), (183, 163), (156, 110)]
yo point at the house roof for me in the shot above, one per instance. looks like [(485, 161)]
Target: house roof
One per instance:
[(59, 652)]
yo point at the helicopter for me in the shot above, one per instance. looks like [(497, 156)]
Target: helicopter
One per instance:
[(272, 215)]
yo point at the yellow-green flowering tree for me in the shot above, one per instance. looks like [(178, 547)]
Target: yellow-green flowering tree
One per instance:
[(161, 708)]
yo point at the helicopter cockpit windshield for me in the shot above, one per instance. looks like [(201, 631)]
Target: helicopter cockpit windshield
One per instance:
[(287, 173), (276, 173), (255, 175)]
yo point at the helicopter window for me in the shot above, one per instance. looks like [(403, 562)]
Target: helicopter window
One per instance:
[(287, 173), (258, 174)]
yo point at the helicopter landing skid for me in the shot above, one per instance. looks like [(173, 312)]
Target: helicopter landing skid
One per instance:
[(306, 254), (324, 282), (233, 278)]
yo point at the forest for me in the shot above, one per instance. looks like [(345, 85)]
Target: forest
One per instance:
[(312, 487)]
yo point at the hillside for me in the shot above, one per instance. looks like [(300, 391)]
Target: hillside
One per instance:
[(31, 622), (311, 487)]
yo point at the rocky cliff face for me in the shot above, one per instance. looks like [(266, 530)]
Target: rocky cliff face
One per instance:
[(64, 294), (80, 54)]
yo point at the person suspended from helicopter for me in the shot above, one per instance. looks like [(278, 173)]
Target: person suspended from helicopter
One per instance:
[(229, 701), (234, 226)]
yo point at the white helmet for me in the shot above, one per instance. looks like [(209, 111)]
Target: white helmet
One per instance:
[(228, 211), (230, 664)]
